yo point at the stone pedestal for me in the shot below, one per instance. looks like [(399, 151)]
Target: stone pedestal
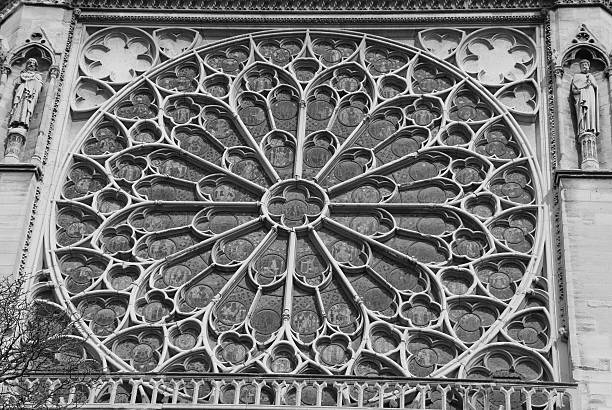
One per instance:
[(588, 150), (13, 146)]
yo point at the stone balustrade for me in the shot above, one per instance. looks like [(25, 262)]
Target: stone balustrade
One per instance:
[(176, 391)]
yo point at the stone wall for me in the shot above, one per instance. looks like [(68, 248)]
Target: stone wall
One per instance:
[(585, 197), (585, 203)]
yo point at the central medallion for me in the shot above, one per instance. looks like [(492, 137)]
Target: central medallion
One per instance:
[(294, 203)]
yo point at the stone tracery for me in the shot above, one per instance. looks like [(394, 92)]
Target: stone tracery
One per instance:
[(310, 202)]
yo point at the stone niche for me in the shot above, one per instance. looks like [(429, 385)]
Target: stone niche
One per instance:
[(27, 79), (588, 149)]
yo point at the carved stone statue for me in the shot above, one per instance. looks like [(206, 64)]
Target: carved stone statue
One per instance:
[(584, 91), (27, 89)]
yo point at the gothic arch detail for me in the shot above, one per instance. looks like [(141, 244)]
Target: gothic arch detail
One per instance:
[(309, 202), (585, 45)]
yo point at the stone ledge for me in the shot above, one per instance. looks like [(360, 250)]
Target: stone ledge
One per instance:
[(22, 167), (313, 5), (581, 174), (320, 5)]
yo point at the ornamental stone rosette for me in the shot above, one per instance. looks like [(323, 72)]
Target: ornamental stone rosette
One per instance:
[(309, 202)]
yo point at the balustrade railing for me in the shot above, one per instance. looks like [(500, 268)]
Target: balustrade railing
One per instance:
[(182, 391)]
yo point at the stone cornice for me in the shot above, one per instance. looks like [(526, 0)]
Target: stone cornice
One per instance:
[(21, 168), (367, 20), (581, 174), (277, 6), (314, 5)]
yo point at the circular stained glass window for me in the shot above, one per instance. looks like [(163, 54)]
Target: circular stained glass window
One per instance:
[(306, 202)]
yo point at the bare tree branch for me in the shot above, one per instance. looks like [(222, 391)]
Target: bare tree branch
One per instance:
[(38, 337)]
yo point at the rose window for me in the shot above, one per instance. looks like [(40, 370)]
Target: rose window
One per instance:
[(268, 205)]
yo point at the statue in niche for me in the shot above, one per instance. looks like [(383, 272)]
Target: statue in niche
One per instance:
[(25, 95), (584, 91)]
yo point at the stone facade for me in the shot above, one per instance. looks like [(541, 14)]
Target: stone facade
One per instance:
[(393, 190)]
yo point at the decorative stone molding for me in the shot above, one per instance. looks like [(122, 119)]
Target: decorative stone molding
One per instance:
[(552, 80), (310, 5), (44, 55), (584, 41), (300, 19), (313, 5)]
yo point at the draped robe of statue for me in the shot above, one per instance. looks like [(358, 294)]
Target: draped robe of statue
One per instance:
[(584, 91), (27, 89)]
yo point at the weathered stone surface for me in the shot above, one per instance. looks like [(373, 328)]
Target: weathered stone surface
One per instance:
[(586, 225), (585, 203)]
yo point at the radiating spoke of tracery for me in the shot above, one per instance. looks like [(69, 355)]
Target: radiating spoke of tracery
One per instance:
[(310, 202)]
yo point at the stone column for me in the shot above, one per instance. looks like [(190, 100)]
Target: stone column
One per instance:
[(561, 119), (4, 73), (608, 74), (13, 146), (41, 141), (558, 73), (588, 151)]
